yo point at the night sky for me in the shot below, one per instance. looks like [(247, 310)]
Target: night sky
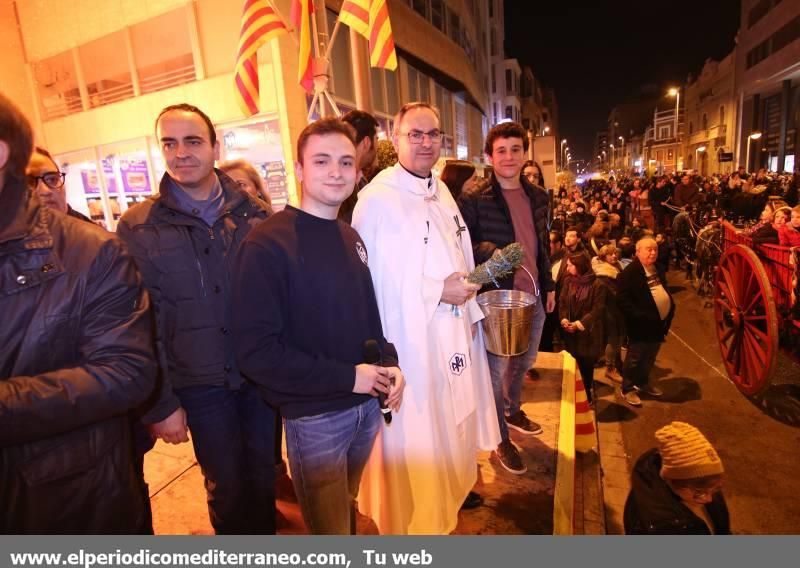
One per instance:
[(595, 54)]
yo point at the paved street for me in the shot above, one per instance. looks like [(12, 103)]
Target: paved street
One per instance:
[(758, 441)]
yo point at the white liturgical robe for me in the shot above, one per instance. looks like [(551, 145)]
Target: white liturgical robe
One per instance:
[(425, 462)]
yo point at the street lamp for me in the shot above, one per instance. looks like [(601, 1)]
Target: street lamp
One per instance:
[(699, 150), (612, 155), (622, 150), (673, 92), (753, 136), (561, 152), (546, 129)]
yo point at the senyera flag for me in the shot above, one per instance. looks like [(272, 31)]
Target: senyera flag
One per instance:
[(260, 23), (370, 18), (300, 16)]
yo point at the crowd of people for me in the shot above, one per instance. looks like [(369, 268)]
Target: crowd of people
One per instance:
[(209, 314)]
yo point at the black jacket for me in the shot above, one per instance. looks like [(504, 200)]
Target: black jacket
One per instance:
[(488, 219), (590, 312), (186, 267), (76, 357), (652, 508), (642, 320)]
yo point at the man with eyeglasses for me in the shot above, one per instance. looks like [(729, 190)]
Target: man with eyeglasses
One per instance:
[(75, 358), (47, 181), (511, 209), (423, 467)]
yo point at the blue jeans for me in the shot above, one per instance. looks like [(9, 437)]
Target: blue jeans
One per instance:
[(509, 372), (233, 433), (327, 455), (639, 361)]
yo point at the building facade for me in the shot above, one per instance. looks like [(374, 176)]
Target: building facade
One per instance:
[(93, 89), (768, 84), (710, 115)]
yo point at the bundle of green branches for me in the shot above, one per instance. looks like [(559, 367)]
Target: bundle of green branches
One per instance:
[(502, 263)]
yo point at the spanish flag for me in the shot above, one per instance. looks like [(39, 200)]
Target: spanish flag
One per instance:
[(370, 18), (260, 23), (301, 15)]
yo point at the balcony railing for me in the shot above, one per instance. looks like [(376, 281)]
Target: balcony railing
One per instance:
[(102, 93), (167, 79), (63, 105), (708, 134)]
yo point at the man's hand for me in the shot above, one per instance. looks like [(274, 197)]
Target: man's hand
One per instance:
[(371, 379), (551, 302), (395, 398), (173, 429), (457, 290)]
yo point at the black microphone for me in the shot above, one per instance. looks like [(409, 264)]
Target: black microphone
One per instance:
[(372, 356)]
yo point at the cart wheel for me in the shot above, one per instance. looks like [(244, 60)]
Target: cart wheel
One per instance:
[(746, 319)]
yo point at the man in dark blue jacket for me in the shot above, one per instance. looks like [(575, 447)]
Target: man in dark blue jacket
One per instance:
[(511, 209), (184, 241)]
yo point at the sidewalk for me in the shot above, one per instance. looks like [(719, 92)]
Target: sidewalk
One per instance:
[(513, 504)]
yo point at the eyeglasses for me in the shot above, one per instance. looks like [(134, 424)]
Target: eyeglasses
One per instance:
[(53, 180), (417, 136)]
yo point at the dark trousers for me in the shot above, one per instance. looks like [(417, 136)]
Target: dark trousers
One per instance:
[(547, 342), (639, 361), (142, 443), (233, 433), (586, 367)]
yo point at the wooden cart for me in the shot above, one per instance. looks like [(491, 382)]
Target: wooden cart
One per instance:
[(753, 308)]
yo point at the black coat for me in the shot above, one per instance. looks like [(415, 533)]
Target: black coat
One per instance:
[(76, 358), (488, 219), (186, 267), (642, 320), (653, 509), (590, 312)]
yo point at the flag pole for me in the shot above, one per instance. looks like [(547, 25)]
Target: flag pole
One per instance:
[(331, 39), (286, 23)]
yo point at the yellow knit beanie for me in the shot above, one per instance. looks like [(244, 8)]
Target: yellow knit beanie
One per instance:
[(686, 453)]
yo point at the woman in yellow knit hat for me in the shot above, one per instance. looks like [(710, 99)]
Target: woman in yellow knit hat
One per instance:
[(676, 487)]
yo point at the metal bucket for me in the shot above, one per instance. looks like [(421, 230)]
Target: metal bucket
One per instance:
[(508, 321)]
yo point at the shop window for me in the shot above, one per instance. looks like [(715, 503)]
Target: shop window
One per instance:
[(376, 84), (260, 144), (447, 113), (162, 50), (392, 92), (413, 84), (57, 86), (106, 69), (342, 82), (424, 88)]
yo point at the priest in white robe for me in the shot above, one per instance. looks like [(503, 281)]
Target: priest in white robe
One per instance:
[(424, 464)]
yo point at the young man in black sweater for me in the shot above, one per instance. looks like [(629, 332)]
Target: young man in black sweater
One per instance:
[(304, 308)]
